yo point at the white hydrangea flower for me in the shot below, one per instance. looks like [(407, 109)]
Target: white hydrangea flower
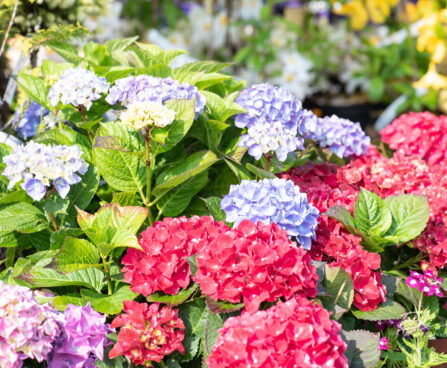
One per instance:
[(78, 87), (147, 113)]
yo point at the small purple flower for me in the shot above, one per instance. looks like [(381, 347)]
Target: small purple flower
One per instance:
[(33, 117), (148, 88), (271, 119), (83, 340), (383, 344), (380, 325), (424, 329), (426, 283), (272, 200)]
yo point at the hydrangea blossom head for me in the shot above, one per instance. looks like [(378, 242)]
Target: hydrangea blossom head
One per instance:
[(272, 200), (162, 264), (148, 88), (78, 87), (427, 283), (148, 332), (255, 263), (296, 333), (271, 119), (343, 137), (144, 114), (83, 340), (27, 329), (34, 117), (37, 166)]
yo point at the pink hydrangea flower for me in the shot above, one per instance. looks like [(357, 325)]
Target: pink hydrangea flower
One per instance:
[(256, 263), (295, 334)]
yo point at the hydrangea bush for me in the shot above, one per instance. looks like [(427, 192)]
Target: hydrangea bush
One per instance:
[(170, 217)]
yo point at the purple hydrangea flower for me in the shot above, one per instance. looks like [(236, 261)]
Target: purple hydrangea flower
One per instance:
[(78, 87), (427, 283), (37, 166), (271, 118), (341, 136), (272, 200), (27, 329), (34, 116), (83, 339), (148, 88)]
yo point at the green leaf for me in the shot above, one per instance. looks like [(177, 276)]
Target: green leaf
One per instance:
[(184, 117), (39, 277), (120, 43), (175, 201), (76, 254), (109, 304), (260, 172), (388, 310), (199, 66), (22, 217), (341, 214), (174, 176), (412, 295), (194, 315), (67, 137), (67, 51), (338, 283), (61, 302), (118, 153), (34, 87), (370, 214), (213, 323), (410, 216), (221, 306), (376, 89), (124, 198), (172, 300), (363, 348), (58, 237), (240, 171), (213, 205)]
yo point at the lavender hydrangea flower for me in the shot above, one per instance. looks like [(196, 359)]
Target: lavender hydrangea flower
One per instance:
[(271, 118), (83, 339), (272, 200), (27, 329), (34, 116), (78, 87), (148, 88), (341, 136), (37, 166)]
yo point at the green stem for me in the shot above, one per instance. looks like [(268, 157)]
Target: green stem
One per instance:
[(107, 272), (147, 140), (162, 364), (53, 221)]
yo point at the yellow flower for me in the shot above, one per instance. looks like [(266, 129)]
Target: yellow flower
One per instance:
[(147, 113), (432, 79)]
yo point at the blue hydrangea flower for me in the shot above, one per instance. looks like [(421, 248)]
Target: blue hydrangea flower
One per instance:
[(37, 166), (148, 88), (271, 118), (341, 136), (78, 87), (272, 200), (34, 116)]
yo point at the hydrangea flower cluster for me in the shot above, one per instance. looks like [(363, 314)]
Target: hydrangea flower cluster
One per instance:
[(427, 283), (27, 329), (334, 243), (148, 332), (434, 242), (271, 118), (38, 166), (421, 134), (272, 200), (82, 341), (342, 136), (257, 263), (34, 116), (148, 88), (162, 264), (78, 87), (297, 333), (143, 114)]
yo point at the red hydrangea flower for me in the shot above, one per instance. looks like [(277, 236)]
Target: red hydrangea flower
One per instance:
[(421, 134), (147, 332), (162, 264), (256, 262), (298, 333), (434, 242)]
